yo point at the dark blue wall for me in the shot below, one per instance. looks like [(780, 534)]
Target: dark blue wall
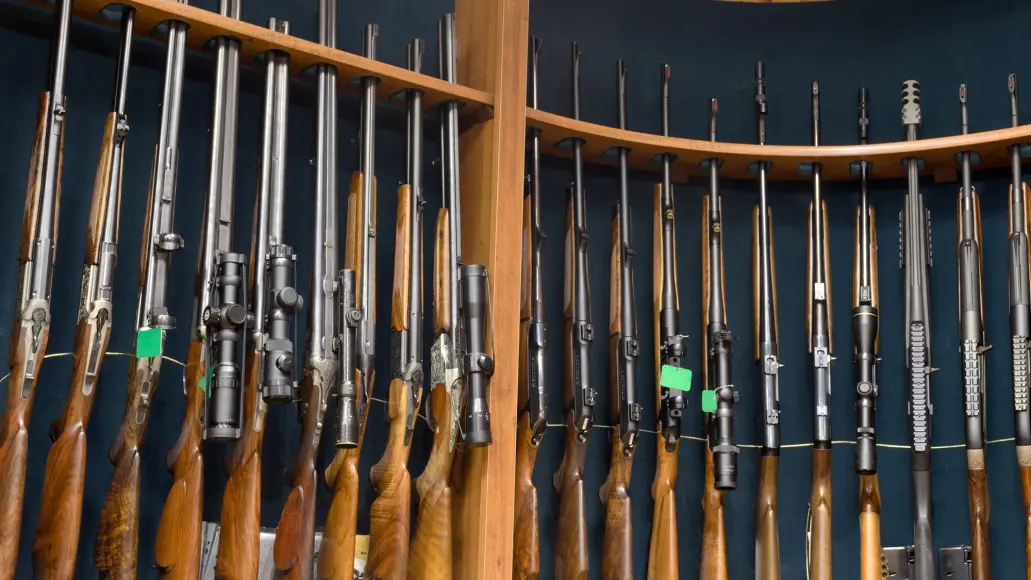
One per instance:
[(712, 47)]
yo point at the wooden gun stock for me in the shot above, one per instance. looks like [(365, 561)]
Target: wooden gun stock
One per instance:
[(431, 554), (526, 558), (571, 543), (24, 362), (240, 538), (767, 540), (662, 550), (870, 567), (115, 549), (178, 544), (526, 564), (980, 514), (714, 540), (820, 508), (390, 513)]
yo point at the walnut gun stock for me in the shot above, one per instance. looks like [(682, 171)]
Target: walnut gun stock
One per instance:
[(60, 516)]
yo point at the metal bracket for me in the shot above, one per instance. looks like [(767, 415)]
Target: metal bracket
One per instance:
[(954, 563), (898, 563)]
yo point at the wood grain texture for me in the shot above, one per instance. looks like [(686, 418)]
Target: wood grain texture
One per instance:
[(980, 515), (820, 507), (178, 543), (116, 545), (100, 202), (1025, 487), (938, 153), (60, 513), (571, 542), (399, 294), (869, 528), (431, 555), (34, 188), (239, 540), (441, 274), (526, 564), (767, 534), (663, 547), (492, 49)]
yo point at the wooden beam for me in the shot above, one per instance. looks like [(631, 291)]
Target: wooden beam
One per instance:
[(492, 44)]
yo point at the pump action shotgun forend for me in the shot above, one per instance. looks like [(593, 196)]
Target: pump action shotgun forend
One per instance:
[(269, 375), (767, 360), (669, 352), (972, 352), (36, 257), (293, 553), (358, 338), (624, 348), (719, 396), (578, 397), (533, 338), (115, 548), (818, 323), (865, 339), (60, 513), (1020, 320), (390, 517)]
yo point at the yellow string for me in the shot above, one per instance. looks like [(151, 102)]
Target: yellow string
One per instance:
[(800, 445)]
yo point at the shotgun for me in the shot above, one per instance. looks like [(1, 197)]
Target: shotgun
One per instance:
[(973, 349), (718, 397), (36, 265), (670, 375), (767, 362), (219, 314), (60, 513), (268, 376), (578, 397), (115, 549), (358, 346), (617, 560), (915, 258), (865, 339), (459, 369), (1020, 319), (533, 336), (293, 552), (818, 326), (390, 513)]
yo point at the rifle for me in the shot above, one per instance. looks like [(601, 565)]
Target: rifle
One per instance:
[(1020, 319), (578, 396), (718, 397), (390, 516), (617, 558), (218, 318), (457, 359), (358, 346), (915, 258), (865, 321), (533, 335), (60, 513), (294, 548), (268, 374), (973, 349), (767, 361), (662, 565), (115, 549), (36, 259), (818, 325)]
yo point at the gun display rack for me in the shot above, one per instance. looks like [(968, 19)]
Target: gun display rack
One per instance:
[(492, 80)]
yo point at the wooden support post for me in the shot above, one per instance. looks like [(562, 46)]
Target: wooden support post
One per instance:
[(492, 49)]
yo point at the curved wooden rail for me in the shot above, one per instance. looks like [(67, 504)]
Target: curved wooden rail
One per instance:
[(255, 40), (939, 154)]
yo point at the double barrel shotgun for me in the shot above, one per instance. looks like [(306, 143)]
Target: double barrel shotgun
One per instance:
[(55, 547)]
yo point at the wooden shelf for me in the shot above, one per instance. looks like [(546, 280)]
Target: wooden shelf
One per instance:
[(255, 40), (939, 154)]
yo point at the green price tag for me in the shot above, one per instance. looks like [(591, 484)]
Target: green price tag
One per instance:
[(205, 380), (675, 378), (708, 401), (148, 343)]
